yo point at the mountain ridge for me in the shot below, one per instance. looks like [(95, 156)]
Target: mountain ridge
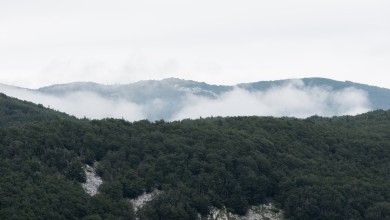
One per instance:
[(180, 80), (167, 98)]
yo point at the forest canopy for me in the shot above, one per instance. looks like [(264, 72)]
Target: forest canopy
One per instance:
[(314, 168)]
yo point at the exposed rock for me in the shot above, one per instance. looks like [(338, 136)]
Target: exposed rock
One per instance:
[(261, 212), (93, 181), (141, 200), (265, 211)]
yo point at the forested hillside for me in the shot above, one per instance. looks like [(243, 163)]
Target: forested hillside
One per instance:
[(315, 168)]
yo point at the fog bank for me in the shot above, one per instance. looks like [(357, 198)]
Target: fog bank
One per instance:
[(292, 99)]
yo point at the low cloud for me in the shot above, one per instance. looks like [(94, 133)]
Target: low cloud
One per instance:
[(94, 106), (81, 104), (293, 99)]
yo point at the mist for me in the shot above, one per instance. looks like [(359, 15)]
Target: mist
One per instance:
[(292, 99), (81, 104)]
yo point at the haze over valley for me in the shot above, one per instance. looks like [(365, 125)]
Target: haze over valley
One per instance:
[(176, 99)]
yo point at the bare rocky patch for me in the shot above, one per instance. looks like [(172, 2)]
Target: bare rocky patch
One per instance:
[(261, 212), (141, 200), (93, 181)]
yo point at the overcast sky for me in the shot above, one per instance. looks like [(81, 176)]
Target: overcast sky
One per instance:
[(46, 42)]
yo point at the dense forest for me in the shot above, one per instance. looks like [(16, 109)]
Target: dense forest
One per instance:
[(314, 168)]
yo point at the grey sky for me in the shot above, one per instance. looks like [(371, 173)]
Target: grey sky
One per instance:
[(45, 42)]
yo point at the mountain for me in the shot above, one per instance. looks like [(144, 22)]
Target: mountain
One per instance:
[(171, 93), (141, 90), (379, 97), (173, 99), (313, 168)]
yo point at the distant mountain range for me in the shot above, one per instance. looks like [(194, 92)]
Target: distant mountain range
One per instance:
[(162, 99)]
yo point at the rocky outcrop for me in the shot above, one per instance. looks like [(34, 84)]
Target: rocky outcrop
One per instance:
[(141, 200), (261, 212), (93, 181)]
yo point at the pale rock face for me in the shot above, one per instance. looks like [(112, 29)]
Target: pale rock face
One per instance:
[(261, 212), (141, 200), (266, 212), (93, 182)]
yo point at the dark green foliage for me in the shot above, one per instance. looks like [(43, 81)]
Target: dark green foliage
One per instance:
[(316, 168)]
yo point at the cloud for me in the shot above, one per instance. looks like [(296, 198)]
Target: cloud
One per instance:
[(293, 99), (46, 42), (91, 105), (81, 104)]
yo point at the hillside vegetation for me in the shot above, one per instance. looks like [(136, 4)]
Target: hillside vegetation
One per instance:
[(315, 168)]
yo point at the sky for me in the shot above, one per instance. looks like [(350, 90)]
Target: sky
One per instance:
[(44, 42)]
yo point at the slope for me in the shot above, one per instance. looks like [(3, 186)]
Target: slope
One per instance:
[(41, 166), (172, 99), (162, 99), (314, 168), (379, 97)]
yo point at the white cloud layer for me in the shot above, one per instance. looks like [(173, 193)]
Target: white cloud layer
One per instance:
[(293, 99), (81, 104)]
